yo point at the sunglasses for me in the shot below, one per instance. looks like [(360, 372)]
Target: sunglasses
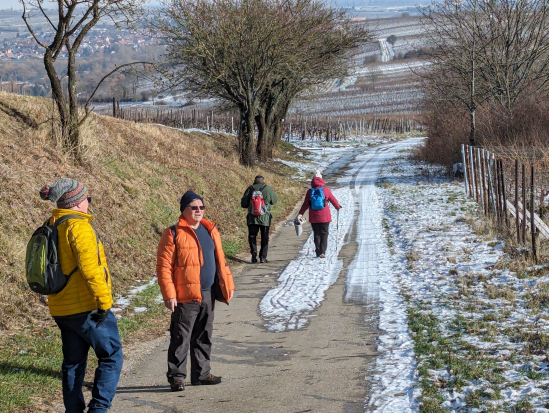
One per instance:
[(196, 208), (89, 198)]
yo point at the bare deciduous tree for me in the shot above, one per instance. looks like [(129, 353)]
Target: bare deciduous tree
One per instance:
[(456, 35), (326, 42), (68, 28), (256, 54), (487, 51), (517, 32)]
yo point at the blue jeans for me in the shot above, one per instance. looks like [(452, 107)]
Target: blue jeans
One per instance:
[(78, 335)]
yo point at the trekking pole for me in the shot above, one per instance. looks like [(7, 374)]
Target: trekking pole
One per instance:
[(337, 230)]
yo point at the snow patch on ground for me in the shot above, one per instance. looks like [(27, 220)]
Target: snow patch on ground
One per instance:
[(370, 280), (479, 314), (302, 285), (124, 301)]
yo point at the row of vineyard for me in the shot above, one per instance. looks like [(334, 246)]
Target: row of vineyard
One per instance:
[(306, 127)]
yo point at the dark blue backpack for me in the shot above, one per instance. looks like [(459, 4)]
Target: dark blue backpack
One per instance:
[(317, 199)]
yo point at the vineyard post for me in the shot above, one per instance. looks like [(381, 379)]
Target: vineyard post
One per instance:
[(517, 221), (113, 107), (232, 125), (464, 168), (532, 220), (524, 204)]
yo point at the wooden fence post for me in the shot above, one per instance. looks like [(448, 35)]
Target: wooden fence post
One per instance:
[(464, 168), (532, 220), (473, 180), (503, 192), (481, 173), (468, 170), (492, 184), (499, 205), (113, 107), (517, 220), (524, 204)]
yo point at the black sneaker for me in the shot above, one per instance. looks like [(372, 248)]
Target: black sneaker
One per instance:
[(210, 380), (177, 385), (261, 259), (254, 259)]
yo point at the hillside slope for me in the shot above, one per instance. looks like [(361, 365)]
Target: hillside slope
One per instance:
[(135, 174)]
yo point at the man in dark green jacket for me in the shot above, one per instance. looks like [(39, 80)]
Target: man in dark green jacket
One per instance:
[(257, 223)]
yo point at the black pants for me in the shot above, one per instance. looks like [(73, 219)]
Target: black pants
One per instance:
[(191, 328), (321, 231), (252, 239)]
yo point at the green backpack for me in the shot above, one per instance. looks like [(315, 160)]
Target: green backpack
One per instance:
[(42, 266)]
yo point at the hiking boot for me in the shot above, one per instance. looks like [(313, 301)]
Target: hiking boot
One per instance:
[(261, 259), (177, 385), (211, 379), (254, 259), (321, 256)]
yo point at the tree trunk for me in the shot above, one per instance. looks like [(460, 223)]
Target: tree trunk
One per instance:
[(73, 131), (261, 148), (246, 137), (57, 94)]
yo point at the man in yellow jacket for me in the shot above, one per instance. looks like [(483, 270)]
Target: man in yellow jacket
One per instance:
[(81, 309)]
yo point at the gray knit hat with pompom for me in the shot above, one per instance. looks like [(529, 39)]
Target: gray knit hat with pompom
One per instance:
[(66, 192)]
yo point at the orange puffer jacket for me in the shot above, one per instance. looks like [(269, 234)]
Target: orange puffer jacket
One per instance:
[(183, 281)]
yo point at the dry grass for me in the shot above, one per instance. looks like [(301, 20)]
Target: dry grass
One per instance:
[(135, 174)]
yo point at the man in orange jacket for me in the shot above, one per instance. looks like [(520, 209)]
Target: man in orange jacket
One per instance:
[(192, 274)]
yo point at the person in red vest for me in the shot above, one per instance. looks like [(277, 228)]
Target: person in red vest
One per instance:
[(316, 201)]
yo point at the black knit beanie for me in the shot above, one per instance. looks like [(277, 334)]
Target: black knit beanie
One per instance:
[(187, 198)]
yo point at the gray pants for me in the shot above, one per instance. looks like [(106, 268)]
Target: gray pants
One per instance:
[(191, 328)]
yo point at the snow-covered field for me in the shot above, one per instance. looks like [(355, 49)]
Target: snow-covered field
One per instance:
[(480, 330)]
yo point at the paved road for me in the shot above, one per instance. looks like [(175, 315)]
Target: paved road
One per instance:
[(319, 368)]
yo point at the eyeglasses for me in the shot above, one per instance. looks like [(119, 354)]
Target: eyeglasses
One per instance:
[(196, 208), (89, 199)]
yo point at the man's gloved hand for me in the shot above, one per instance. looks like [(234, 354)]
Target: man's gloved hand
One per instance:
[(99, 316), (300, 219)]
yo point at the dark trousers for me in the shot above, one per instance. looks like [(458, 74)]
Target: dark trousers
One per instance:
[(321, 231), (191, 329), (252, 239), (78, 335)]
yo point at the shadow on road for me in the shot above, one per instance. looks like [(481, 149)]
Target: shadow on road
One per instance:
[(144, 389)]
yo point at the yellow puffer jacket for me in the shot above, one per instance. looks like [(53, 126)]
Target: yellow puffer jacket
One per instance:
[(89, 287)]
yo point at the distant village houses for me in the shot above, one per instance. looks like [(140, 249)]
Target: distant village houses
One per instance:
[(100, 40)]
